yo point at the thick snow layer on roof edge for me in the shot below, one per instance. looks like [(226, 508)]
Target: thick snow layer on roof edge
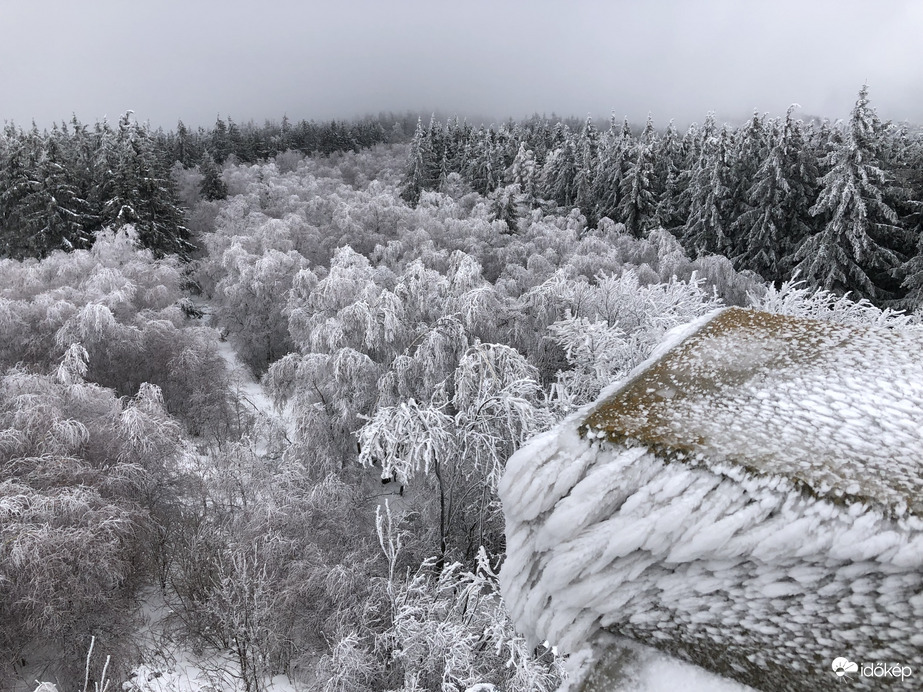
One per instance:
[(741, 573), (834, 408), (564, 477), (670, 340)]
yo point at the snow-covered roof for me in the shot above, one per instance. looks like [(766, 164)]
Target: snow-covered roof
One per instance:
[(837, 409), (749, 499)]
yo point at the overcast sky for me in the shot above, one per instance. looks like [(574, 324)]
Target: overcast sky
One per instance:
[(260, 59)]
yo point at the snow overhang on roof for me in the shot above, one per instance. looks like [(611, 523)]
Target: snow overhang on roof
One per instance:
[(748, 499)]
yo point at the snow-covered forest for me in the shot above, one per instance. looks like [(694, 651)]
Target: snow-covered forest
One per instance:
[(258, 385), (834, 204)]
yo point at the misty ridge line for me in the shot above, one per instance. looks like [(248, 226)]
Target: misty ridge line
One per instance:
[(764, 194), (408, 118)]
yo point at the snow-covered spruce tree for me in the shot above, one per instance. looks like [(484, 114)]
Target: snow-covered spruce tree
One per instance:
[(777, 219), (584, 196), (481, 170), (637, 205), (54, 213), (912, 271), (906, 151), (140, 190), (667, 156), (508, 204), (419, 166), (212, 186), (560, 171), (748, 149), (614, 147), (854, 252), (524, 172), (707, 195), (18, 170), (674, 202)]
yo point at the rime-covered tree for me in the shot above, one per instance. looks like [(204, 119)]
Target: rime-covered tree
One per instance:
[(748, 149), (614, 147), (524, 172), (219, 144), (55, 214), (761, 226), (667, 157), (854, 250), (481, 162), (141, 192), (707, 196), (18, 168), (560, 171), (585, 168), (777, 218), (212, 186), (637, 204), (417, 178), (508, 204)]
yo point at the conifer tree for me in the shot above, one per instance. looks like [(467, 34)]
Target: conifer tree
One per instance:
[(667, 156), (749, 149), (707, 196), (560, 170), (507, 204), (614, 147), (16, 173), (183, 149), (908, 152), (777, 219), (761, 226), (54, 213), (416, 180), (649, 133), (481, 161), (584, 169), (523, 172), (220, 145), (140, 192), (212, 186), (854, 250), (637, 205)]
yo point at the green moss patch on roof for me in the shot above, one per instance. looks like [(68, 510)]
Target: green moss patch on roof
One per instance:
[(835, 409)]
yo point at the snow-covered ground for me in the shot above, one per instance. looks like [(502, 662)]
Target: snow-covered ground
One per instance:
[(168, 663), (632, 667)]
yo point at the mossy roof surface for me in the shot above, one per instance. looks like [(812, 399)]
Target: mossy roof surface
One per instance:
[(836, 409)]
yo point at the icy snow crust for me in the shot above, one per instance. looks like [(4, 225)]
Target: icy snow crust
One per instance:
[(834, 407), (749, 499)]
